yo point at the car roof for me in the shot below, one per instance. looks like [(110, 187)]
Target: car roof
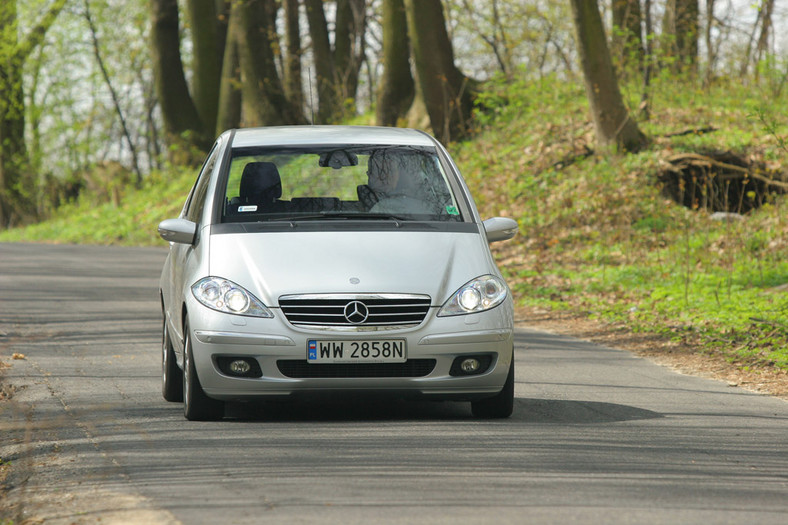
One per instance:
[(325, 135)]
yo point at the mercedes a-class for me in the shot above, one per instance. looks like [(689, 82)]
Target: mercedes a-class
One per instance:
[(310, 260)]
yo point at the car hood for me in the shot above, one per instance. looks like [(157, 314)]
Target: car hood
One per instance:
[(271, 265)]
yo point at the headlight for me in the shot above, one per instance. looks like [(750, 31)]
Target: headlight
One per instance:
[(483, 293), (226, 296)]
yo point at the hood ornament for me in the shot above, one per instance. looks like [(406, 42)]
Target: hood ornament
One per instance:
[(356, 312)]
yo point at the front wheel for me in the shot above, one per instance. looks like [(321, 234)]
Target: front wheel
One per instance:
[(171, 377), (499, 406), (196, 405)]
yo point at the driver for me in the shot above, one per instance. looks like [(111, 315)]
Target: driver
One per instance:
[(397, 181)]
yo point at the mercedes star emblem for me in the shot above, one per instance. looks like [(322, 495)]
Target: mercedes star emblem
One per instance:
[(356, 312)]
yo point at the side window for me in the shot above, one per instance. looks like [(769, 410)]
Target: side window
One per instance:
[(197, 198)]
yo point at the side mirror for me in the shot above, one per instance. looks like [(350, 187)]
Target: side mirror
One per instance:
[(500, 229), (178, 230)]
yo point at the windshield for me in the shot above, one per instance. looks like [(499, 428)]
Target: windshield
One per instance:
[(340, 182)]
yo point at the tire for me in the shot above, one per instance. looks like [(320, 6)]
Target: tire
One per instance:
[(196, 405), (501, 405), (171, 376)]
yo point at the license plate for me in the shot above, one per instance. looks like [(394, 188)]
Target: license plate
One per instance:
[(349, 351)]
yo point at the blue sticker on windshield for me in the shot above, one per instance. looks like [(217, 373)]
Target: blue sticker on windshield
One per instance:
[(242, 209), (452, 210)]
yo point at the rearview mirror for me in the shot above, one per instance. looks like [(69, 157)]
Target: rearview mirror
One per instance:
[(178, 230), (338, 159), (500, 229)]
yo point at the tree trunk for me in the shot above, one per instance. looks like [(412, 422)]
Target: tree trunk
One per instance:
[(229, 110), (681, 23), (182, 123), (292, 69), (628, 32), (648, 59), (396, 87), (222, 23), (264, 97), (17, 185), (327, 96), (349, 46), (614, 127), (711, 54), (687, 32), (448, 94), (15, 200), (766, 25), (206, 60)]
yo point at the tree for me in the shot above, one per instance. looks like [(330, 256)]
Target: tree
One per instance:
[(764, 23), (766, 26), (447, 92), (680, 24), (614, 126), (336, 68), (208, 51), (349, 46), (113, 92), (292, 69), (645, 110), (16, 186), (263, 93), (327, 95), (195, 114), (181, 119), (628, 32), (493, 33), (396, 87), (229, 110)]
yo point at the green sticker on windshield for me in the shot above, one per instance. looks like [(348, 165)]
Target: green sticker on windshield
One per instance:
[(452, 210)]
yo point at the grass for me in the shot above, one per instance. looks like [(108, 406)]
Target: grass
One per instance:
[(597, 236), (132, 222)]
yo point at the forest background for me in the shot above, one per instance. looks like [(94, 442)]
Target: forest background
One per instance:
[(640, 144)]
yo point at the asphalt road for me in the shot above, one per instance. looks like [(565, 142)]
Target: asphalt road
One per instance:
[(598, 436)]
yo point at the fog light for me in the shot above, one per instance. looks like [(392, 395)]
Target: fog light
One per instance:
[(470, 365), (240, 367)]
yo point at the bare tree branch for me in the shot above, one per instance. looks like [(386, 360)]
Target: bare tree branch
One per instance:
[(113, 93)]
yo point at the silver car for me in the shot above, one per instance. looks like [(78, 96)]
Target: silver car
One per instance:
[(311, 260)]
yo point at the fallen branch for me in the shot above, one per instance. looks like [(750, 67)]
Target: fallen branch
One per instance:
[(696, 131), (684, 160), (768, 322), (571, 158)]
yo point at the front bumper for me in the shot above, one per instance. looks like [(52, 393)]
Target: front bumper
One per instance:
[(272, 342)]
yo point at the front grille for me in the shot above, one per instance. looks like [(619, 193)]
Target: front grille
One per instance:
[(355, 310), (300, 369)]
